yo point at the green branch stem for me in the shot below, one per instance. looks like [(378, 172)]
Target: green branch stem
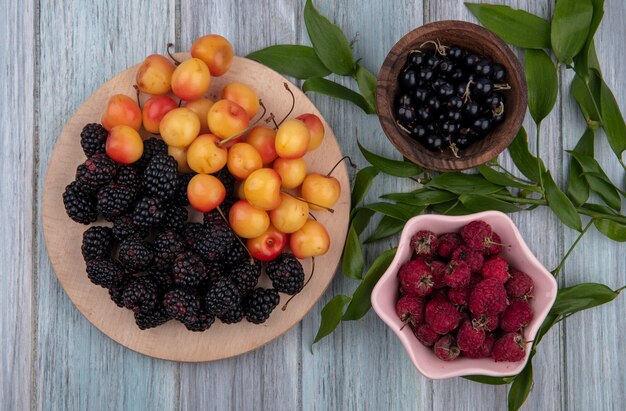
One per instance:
[(539, 169), (557, 270)]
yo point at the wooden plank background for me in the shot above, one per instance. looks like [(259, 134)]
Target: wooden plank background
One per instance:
[(56, 53)]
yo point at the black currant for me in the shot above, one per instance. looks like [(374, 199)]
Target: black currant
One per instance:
[(446, 90), (483, 68), (457, 74), (481, 125), (422, 114), (493, 100), (471, 110), (406, 115), (433, 103), (433, 61), (455, 52), (446, 67), (450, 128), (418, 131), (498, 73), (404, 99), (425, 73), (433, 142), (461, 141), (454, 115), (483, 87), (408, 78), (421, 94), (471, 60), (455, 102), (416, 58), (441, 117)]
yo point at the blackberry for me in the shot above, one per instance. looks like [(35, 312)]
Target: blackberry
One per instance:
[(214, 271), (129, 176), (246, 275), (182, 304), (135, 253), (212, 217), (141, 295), (97, 243), (105, 272), (152, 318), (222, 296), (151, 147), (93, 139), (286, 273), (114, 200), (174, 217), (167, 245), (160, 177), (117, 292), (79, 206), (124, 227), (96, 172), (201, 323), (235, 255), (148, 212), (213, 241), (180, 195), (228, 180), (260, 304), (188, 270), (161, 277), (191, 233), (232, 316)]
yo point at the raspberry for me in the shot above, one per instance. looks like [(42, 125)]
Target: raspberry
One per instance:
[(246, 275), (105, 272), (510, 347), (135, 254), (180, 195), (496, 268), (448, 242), (416, 278), (475, 279), (79, 205), (486, 322), (161, 176), (232, 316), (260, 304), (441, 316), (167, 245), (517, 315), (488, 297), (174, 217), (446, 349), (148, 212), (484, 351), (520, 285), (116, 292), (223, 296), (124, 227), (96, 172), (151, 147), (200, 323), (129, 176), (182, 304), (425, 335), (474, 259), (410, 309), (97, 243), (114, 200), (457, 274), (477, 235), (424, 242), (459, 296), (141, 295), (286, 273), (438, 270), (93, 139), (494, 246), (440, 294), (151, 319), (470, 338)]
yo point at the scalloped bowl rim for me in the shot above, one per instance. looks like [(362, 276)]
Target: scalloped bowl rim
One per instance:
[(384, 295)]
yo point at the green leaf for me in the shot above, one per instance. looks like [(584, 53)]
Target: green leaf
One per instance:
[(352, 261), (336, 90), (524, 161), (486, 379), (516, 27), (477, 203), (502, 179), (597, 208), (586, 58), (543, 84), (577, 186), (560, 204), (387, 227), (331, 316), (612, 229), (397, 211), (361, 299), (612, 120), (329, 42), (581, 297), (548, 323), (298, 61), (362, 183), (570, 26), (606, 190), (421, 197), (463, 183), (521, 387), (585, 143), (360, 218), (366, 81), (451, 208), (588, 99), (388, 166)]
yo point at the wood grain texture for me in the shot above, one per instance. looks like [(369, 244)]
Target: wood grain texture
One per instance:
[(17, 169), (82, 45)]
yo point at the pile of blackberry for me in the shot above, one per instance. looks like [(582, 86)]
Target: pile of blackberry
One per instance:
[(152, 259), (449, 98)]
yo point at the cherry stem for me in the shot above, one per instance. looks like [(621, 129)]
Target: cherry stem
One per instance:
[(169, 53), (308, 202), (250, 127), (136, 87), (219, 210), (312, 216), (272, 119), (339, 162), (293, 104), (305, 284)]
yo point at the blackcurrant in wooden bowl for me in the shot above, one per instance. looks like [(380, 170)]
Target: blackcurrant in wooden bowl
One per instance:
[(451, 95)]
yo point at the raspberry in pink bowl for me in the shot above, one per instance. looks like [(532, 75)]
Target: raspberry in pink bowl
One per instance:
[(484, 303)]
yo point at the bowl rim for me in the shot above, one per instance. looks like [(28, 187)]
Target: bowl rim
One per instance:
[(394, 323), (431, 160)]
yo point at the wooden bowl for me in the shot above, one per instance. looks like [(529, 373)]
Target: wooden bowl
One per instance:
[(470, 37), (172, 341)]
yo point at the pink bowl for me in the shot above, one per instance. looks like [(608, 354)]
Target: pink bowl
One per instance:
[(385, 295)]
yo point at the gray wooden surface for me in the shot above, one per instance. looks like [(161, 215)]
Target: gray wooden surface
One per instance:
[(55, 53)]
